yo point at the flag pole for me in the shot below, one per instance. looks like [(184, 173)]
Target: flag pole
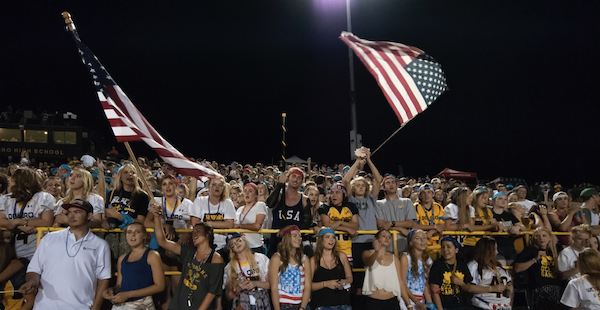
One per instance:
[(388, 139), (139, 171)]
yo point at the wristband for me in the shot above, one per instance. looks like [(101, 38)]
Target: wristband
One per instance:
[(393, 223)]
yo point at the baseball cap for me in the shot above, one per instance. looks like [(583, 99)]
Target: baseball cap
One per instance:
[(436, 180), (587, 193), (559, 194), (233, 235), (79, 203), (426, 186)]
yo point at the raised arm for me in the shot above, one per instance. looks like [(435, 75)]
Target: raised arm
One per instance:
[(160, 233), (377, 178)]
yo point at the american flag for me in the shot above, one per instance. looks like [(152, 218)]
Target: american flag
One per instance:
[(410, 79), (127, 123)]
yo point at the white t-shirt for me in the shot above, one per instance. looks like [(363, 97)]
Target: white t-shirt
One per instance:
[(69, 270), (207, 212), (581, 295), (567, 259), (253, 240), (40, 202), (527, 204), (180, 214), (451, 212), (489, 279), (263, 265), (96, 201)]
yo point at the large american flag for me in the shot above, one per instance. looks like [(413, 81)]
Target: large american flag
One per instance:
[(410, 79), (127, 123)]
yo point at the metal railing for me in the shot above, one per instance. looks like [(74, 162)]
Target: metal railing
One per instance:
[(526, 234)]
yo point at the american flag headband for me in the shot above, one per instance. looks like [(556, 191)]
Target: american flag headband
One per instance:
[(340, 187)]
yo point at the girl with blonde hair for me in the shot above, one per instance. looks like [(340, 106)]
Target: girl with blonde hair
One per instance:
[(246, 275), (582, 292), (81, 186)]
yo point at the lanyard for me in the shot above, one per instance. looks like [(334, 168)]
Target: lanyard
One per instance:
[(427, 215), (167, 217), (20, 215), (208, 204), (242, 219)]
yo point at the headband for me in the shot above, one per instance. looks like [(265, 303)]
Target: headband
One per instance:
[(253, 186), (410, 234), (498, 194), (340, 187), (296, 171), (450, 239), (326, 231), (389, 176), (266, 183), (481, 189), (289, 230), (66, 167), (95, 175)]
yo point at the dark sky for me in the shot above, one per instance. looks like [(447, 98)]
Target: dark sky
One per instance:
[(214, 76)]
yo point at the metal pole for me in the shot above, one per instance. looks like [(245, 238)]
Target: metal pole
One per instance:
[(354, 136), (283, 116)]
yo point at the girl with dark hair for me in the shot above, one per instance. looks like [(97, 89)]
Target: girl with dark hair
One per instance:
[(290, 274), (414, 269), (493, 286), (445, 292), (25, 208), (246, 276), (540, 261), (383, 286), (582, 292), (332, 274), (202, 269), (139, 274)]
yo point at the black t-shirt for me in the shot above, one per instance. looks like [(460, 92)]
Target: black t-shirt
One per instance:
[(508, 220), (440, 274), (540, 273), (122, 201)]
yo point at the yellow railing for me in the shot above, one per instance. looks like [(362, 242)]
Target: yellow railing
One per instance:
[(526, 234)]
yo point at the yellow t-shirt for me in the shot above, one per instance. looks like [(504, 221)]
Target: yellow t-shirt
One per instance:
[(480, 219), (430, 217), (344, 213)]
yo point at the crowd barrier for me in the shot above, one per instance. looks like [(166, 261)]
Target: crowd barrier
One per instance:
[(42, 230)]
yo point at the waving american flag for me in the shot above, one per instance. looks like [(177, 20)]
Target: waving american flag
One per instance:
[(126, 121), (410, 79)]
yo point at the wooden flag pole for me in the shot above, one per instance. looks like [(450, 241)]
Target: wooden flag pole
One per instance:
[(68, 21), (139, 171)]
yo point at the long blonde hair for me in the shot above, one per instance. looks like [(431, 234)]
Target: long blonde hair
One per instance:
[(486, 211), (136, 183), (233, 261), (589, 266), (88, 186), (459, 197), (550, 249)]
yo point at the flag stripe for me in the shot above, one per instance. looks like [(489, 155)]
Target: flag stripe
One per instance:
[(126, 121)]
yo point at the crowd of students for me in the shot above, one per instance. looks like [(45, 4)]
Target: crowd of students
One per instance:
[(290, 270)]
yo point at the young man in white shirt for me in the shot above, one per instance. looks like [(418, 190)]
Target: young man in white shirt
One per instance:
[(569, 255), (73, 276)]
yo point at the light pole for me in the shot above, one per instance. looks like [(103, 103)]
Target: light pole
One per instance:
[(355, 138)]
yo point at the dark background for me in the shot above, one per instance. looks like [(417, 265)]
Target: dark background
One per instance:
[(213, 77)]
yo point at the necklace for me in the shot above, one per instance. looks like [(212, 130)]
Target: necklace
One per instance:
[(189, 297), (242, 219), (208, 204), (67, 247), (165, 203)]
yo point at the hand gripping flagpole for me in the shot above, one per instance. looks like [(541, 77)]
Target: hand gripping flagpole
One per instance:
[(71, 27)]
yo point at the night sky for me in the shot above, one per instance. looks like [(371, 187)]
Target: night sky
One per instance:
[(213, 77)]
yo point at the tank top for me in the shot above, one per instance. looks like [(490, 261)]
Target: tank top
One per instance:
[(284, 215), (327, 297), (291, 283), (136, 275), (381, 277), (416, 285)]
